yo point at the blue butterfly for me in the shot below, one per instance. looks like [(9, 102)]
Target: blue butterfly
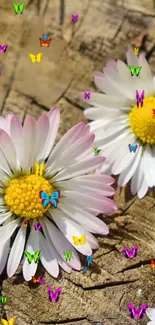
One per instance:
[(44, 37), (50, 199), (89, 260), (98, 324), (84, 269), (132, 148)]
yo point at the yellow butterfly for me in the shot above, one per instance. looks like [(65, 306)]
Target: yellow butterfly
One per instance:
[(35, 58), (136, 51), (79, 240), (10, 322)]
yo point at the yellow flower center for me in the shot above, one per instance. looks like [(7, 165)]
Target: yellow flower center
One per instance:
[(142, 121), (22, 196)]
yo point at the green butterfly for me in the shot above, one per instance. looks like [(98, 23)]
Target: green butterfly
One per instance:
[(31, 257), (68, 255), (135, 70), (96, 150), (18, 8), (3, 299)]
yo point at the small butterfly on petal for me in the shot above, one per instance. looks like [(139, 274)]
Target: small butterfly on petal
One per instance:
[(96, 150), (140, 98), (133, 148), (135, 71), (136, 51), (50, 199), (37, 227), (25, 223)]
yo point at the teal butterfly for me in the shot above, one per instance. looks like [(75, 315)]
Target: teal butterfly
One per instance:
[(18, 8), (31, 257), (135, 70), (68, 255)]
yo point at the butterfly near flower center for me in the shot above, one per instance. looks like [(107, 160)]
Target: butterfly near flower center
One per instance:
[(22, 194), (142, 122)]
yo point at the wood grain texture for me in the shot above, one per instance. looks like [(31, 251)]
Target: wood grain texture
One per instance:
[(105, 30)]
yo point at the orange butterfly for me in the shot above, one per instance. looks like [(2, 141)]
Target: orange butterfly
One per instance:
[(152, 264), (34, 280), (153, 112), (44, 41)]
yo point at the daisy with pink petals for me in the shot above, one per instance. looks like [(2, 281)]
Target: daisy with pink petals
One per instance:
[(30, 164)]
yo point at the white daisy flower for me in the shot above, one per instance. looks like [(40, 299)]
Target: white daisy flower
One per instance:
[(150, 312), (119, 123), (31, 170)]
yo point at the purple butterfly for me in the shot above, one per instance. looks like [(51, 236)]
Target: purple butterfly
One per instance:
[(130, 252), (75, 18), (54, 295), (3, 48), (86, 95), (42, 281), (139, 98), (137, 312), (37, 227)]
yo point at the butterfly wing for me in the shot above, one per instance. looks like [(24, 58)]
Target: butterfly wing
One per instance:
[(54, 202), (36, 256), (132, 70), (42, 42), (134, 251), (4, 322), (55, 195), (83, 239), (141, 311), (32, 58), (39, 227), (45, 198), (29, 256), (21, 7), (89, 260), (132, 310), (39, 57), (76, 240), (130, 147), (142, 95), (15, 6), (126, 252), (137, 70), (47, 42), (44, 37)]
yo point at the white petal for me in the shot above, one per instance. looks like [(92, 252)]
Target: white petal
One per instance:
[(4, 251), (61, 243), (70, 228), (42, 130), (143, 189), (132, 59), (32, 246), (16, 134), (145, 73), (150, 312), (149, 166), (54, 119), (47, 257), (4, 216), (16, 252), (29, 137), (7, 230), (8, 150)]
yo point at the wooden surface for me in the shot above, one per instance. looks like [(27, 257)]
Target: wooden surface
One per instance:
[(105, 30)]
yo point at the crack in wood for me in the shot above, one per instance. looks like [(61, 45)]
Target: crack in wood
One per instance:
[(73, 103), (66, 321), (104, 285), (62, 11), (33, 100)]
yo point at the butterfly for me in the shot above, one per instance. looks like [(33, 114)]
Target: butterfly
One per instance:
[(3, 299), (54, 296), (50, 199), (39, 168), (18, 8), (68, 255), (132, 148), (136, 51), (152, 264), (25, 223), (3, 48), (87, 95), (9, 322), (44, 41), (35, 58), (84, 269), (153, 112), (75, 18), (79, 240), (139, 98), (42, 281), (137, 312), (89, 260), (96, 150), (130, 252), (98, 324), (31, 257), (135, 70), (37, 227), (35, 280)]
